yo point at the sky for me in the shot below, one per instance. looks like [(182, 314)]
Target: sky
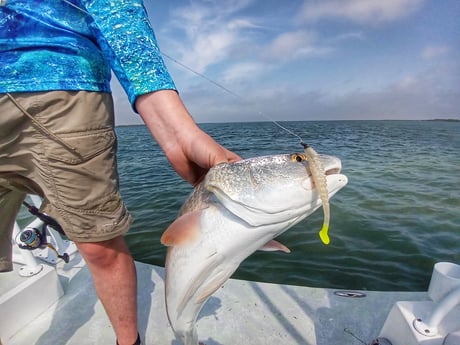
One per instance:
[(308, 59)]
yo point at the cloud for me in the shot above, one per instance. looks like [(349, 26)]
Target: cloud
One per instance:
[(294, 45), (242, 71), (360, 11), (346, 36), (209, 32), (434, 51), (425, 95), (263, 57)]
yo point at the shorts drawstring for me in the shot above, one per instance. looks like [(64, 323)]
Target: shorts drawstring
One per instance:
[(43, 128)]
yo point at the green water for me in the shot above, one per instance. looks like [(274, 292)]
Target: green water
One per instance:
[(399, 214)]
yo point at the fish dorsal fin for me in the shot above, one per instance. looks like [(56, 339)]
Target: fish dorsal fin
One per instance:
[(184, 229), (273, 245)]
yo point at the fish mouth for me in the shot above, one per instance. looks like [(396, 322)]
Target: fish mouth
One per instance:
[(281, 203), (331, 164), (332, 169)]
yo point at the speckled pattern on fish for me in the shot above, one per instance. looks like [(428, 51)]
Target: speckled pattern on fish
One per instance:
[(74, 44)]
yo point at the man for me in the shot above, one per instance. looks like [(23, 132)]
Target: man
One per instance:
[(56, 129)]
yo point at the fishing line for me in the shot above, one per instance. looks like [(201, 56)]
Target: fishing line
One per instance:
[(78, 8), (241, 98), (201, 75)]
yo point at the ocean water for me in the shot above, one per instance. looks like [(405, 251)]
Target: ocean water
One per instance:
[(398, 215)]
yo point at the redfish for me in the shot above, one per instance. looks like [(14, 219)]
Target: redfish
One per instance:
[(238, 208)]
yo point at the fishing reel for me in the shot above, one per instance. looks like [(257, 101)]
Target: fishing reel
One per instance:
[(32, 238)]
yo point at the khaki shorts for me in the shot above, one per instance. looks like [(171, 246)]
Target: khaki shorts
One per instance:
[(68, 157)]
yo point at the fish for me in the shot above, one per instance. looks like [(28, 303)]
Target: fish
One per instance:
[(238, 208)]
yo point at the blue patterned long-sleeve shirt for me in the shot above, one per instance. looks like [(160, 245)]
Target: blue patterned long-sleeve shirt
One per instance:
[(74, 44)]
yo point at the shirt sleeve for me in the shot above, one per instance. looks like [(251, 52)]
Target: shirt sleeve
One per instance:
[(127, 39)]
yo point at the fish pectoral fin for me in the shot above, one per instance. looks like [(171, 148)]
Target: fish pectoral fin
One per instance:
[(184, 229), (273, 245), (214, 283)]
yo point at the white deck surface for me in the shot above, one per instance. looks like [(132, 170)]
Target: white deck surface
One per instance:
[(241, 312)]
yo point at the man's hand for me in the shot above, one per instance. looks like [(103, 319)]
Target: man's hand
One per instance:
[(189, 149)]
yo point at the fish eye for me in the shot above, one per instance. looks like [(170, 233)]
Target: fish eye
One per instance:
[(298, 157)]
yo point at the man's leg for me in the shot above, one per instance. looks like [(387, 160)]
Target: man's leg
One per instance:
[(72, 164), (114, 276), (10, 202)]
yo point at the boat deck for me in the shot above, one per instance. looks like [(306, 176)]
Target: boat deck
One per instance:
[(241, 312)]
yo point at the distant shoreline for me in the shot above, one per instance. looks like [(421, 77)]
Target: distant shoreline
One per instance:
[(445, 120), (200, 123)]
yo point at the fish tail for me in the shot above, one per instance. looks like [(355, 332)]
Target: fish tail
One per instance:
[(323, 234)]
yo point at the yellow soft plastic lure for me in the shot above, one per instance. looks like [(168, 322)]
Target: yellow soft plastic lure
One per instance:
[(319, 177)]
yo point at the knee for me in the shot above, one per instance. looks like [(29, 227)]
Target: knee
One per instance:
[(103, 253)]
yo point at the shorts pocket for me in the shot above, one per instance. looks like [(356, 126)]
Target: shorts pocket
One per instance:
[(87, 181), (87, 144)]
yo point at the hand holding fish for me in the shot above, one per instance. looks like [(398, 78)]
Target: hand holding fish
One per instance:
[(190, 150)]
